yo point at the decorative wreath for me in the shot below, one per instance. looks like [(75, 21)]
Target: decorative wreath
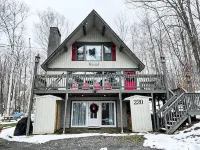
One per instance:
[(94, 108)]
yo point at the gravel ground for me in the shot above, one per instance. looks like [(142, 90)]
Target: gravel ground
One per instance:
[(86, 143)]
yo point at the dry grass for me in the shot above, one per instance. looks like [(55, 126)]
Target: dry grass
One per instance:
[(7, 125), (135, 138)]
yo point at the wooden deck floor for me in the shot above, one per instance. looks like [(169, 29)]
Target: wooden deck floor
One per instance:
[(98, 91)]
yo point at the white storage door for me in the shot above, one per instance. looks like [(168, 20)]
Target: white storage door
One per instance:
[(140, 114), (44, 119)]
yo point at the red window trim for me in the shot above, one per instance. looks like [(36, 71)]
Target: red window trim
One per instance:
[(113, 52)]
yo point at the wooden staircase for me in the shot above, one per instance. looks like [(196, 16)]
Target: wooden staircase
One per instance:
[(177, 110)]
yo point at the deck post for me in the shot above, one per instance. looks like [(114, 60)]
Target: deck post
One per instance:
[(121, 112), (164, 67), (37, 59), (65, 113), (189, 120), (154, 112), (66, 100), (121, 107)]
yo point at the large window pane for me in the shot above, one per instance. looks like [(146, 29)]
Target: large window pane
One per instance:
[(107, 53), (93, 52), (107, 114), (79, 114)]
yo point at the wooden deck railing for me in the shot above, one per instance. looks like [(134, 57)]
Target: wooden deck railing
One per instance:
[(107, 81)]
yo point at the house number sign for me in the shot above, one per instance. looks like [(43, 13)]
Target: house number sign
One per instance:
[(138, 102)]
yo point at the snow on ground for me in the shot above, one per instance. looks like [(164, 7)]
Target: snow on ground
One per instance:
[(8, 135), (188, 139), (104, 148)]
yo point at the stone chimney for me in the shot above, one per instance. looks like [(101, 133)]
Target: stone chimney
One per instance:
[(54, 40)]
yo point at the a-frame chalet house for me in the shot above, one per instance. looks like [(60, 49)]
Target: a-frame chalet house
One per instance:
[(93, 71)]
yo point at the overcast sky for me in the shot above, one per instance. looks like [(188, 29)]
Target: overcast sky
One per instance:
[(75, 10)]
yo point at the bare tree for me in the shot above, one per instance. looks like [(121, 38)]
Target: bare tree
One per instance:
[(13, 14), (179, 24), (122, 24), (183, 11), (50, 18)]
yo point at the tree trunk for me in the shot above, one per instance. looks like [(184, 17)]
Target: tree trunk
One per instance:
[(13, 102), (9, 91), (19, 91)]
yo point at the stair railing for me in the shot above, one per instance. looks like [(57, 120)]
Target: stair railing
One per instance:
[(159, 113), (175, 112), (174, 96)]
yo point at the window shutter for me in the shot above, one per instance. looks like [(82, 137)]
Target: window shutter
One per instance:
[(73, 52), (113, 52)]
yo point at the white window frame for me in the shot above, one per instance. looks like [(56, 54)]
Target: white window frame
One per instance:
[(115, 121), (95, 44), (86, 121), (100, 113)]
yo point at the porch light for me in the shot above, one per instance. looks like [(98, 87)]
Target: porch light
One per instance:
[(37, 58)]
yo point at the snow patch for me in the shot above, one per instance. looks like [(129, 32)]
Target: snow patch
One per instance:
[(8, 135), (188, 139), (104, 148)]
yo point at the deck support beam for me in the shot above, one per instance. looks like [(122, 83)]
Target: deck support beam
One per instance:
[(65, 113), (121, 48), (103, 30), (154, 112), (84, 30), (121, 112), (164, 67), (189, 120)]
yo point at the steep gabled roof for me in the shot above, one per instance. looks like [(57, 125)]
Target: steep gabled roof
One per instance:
[(92, 19)]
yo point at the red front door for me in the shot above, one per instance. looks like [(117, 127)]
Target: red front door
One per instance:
[(129, 81)]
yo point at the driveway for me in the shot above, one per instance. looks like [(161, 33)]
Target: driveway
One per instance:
[(86, 143)]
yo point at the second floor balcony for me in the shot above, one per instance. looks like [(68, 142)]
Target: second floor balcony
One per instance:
[(99, 82)]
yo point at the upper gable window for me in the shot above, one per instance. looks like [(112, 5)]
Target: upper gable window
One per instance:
[(93, 52)]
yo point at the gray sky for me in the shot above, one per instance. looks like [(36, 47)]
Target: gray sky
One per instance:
[(75, 11)]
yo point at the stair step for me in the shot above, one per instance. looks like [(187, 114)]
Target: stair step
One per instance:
[(177, 116), (172, 121), (173, 129)]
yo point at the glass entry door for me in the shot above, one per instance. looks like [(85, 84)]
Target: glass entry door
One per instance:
[(93, 114)]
